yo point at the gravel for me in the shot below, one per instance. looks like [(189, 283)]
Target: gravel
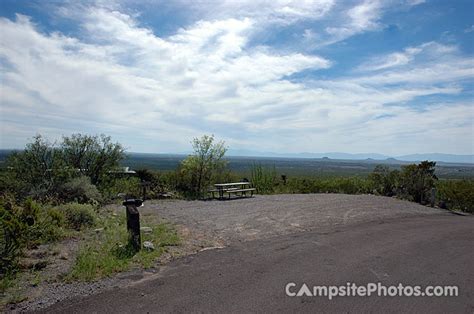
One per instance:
[(264, 216)]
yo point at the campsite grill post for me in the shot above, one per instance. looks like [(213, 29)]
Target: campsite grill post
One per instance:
[(133, 222), (433, 197)]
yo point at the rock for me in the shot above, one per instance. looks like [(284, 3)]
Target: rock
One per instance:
[(98, 230), (146, 229), (64, 257), (147, 245), (165, 195)]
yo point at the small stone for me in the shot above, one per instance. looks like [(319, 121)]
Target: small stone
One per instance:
[(146, 229), (147, 245), (64, 257), (98, 230)]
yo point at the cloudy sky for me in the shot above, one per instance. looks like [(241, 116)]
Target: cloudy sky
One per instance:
[(391, 77)]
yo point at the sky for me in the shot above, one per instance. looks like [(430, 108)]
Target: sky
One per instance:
[(392, 77)]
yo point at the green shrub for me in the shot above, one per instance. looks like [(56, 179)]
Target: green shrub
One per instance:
[(416, 181), (30, 212), (350, 185), (79, 216), (129, 186), (38, 169), (57, 216), (383, 181), (42, 168), (263, 179), (80, 190), (44, 230), (457, 194), (42, 224), (11, 238)]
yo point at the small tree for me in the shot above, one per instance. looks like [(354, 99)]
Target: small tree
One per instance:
[(92, 156), (200, 168), (417, 180), (39, 169), (42, 168), (384, 180)]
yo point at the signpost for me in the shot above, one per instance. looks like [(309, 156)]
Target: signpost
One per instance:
[(133, 222)]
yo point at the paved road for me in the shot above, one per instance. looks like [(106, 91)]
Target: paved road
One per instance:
[(251, 277)]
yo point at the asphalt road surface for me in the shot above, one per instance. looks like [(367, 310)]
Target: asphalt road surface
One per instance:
[(251, 276)]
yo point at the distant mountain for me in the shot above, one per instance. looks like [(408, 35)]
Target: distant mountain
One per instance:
[(369, 157), (331, 155), (468, 159)]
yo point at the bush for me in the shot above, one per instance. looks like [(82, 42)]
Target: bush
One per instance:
[(350, 185), (11, 237), (383, 181), (43, 168), (416, 181), (46, 229), (79, 216), (80, 190), (56, 216), (457, 194), (38, 170), (30, 212), (42, 224), (129, 186), (263, 179), (29, 225)]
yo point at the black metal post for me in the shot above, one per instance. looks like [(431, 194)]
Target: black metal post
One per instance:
[(133, 223), (433, 197)]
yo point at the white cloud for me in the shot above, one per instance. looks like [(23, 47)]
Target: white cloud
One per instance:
[(156, 93), (268, 11), (427, 52), (469, 29), (360, 18), (415, 2)]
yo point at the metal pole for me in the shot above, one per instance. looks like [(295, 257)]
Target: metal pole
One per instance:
[(433, 196), (133, 223)]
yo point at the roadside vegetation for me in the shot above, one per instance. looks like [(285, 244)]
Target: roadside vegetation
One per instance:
[(55, 192), (107, 251), (50, 192)]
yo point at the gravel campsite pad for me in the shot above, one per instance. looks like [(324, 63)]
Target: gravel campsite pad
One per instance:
[(262, 216)]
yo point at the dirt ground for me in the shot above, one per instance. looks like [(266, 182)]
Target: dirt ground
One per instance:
[(263, 216)]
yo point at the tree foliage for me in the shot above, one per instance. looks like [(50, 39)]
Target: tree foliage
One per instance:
[(39, 169), (204, 165), (416, 181), (92, 156), (385, 181), (42, 168)]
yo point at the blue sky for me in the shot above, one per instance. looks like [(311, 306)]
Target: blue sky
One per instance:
[(391, 77)]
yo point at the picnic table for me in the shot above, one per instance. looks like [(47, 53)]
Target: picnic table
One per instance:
[(232, 188)]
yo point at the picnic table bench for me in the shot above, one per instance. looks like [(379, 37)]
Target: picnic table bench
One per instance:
[(232, 188)]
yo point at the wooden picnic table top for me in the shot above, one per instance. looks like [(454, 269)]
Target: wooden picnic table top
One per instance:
[(221, 185)]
